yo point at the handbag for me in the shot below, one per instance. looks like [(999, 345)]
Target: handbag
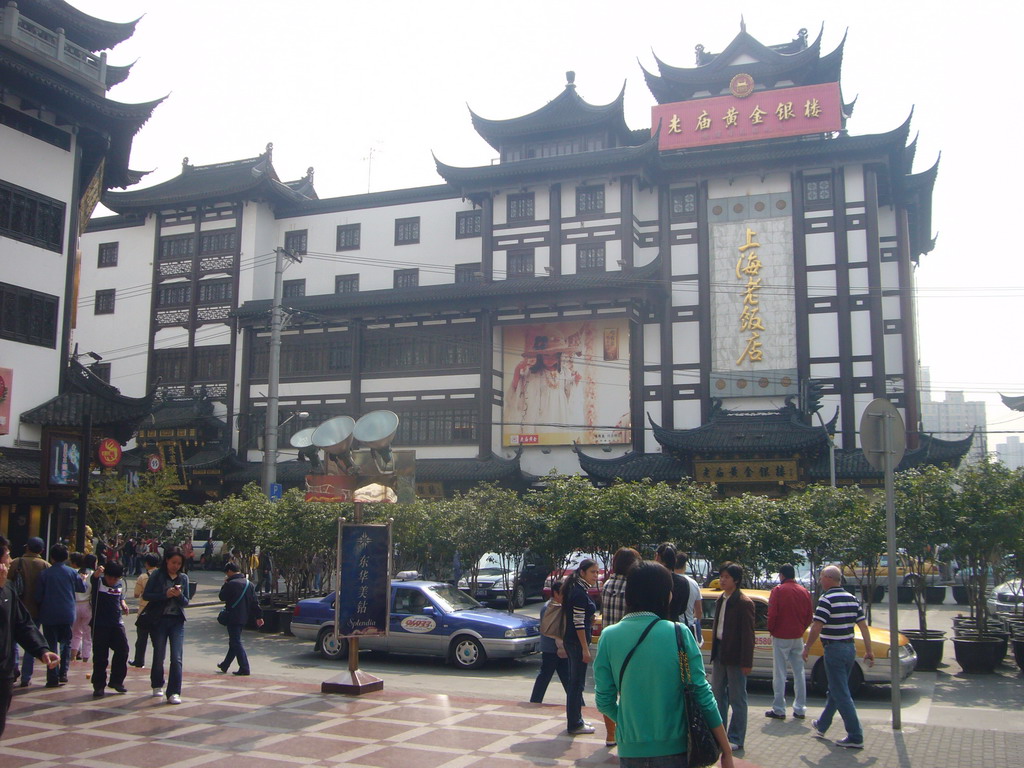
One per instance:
[(553, 623), (702, 747), (222, 617)]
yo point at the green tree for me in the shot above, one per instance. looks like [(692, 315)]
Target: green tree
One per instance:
[(561, 511), (118, 506), (822, 514), (863, 543)]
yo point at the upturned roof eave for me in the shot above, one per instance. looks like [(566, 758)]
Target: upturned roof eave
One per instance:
[(90, 32)]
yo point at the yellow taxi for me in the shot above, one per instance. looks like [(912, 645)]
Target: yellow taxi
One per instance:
[(814, 666)]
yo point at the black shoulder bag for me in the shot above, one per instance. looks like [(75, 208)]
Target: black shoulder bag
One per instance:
[(702, 747)]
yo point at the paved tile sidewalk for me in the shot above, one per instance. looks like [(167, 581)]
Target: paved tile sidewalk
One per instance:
[(273, 725)]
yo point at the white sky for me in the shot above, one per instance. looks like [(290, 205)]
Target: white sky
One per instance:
[(328, 81)]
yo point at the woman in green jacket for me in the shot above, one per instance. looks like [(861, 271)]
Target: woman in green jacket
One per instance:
[(649, 708)]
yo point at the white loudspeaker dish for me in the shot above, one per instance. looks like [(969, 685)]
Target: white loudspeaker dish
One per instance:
[(376, 429), (334, 435), (303, 438)]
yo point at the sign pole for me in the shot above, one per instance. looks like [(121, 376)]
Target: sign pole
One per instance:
[(890, 534)]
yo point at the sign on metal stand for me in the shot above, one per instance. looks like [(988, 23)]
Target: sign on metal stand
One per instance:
[(884, 441)]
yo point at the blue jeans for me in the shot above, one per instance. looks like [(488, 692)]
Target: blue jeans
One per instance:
[(550, 664), (168, 629), (729, 685), (788, 652), (839, 660), (28, 664), (574, 692), (58, 638), (235, 649)]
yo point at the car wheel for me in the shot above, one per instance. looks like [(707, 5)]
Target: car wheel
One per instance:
[(518, 596), (911, 581), (819, 680), (331, 647), (468, 653)]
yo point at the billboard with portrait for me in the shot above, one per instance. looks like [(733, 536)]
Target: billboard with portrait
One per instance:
[(566, 382)]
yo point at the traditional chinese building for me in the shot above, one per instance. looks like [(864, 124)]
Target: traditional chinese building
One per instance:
[(723, 271), (62, 144)]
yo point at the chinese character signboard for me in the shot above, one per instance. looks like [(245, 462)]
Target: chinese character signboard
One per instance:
[(65, 458), (760, 471), (109, 452), (754, 116), (566, 382), (6, 377), (365, 604)]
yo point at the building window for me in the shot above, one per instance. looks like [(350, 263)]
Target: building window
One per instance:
[(437, 426), (104, 304), (683, 204), (295, 242), (407, 230), (407, 349), (219, 241), (213, 363), (520, 207), (293, 289), (818, 192), (170, 365), (176, 247), (304, 356), (215, 292), (348, 237), (590, 258), (468, 273), (469, 223), (407, 278), (31, 218), (108, 255), (346, 284), (174, 295), (101, 371), (519, 263), (28, 316), (590, 199)]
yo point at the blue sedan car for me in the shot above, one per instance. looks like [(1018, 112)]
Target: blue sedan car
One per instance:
[(430, 618)]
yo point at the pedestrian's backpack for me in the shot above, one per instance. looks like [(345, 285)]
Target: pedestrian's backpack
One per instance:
[(553, 623)]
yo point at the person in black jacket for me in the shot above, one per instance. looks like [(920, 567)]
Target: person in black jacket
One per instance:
[(16, 626), (579, 624), (239, 598), (108, 611), (167, 596)]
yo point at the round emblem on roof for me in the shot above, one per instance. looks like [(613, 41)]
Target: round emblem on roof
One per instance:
[(741, 85)]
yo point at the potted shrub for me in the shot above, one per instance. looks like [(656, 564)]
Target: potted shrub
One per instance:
[(986, 502)]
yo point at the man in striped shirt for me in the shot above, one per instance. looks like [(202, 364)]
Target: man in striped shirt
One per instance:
[(834, 619)]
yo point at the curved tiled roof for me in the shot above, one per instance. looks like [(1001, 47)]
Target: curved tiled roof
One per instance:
[(220, 181), (566, 112), (1014, 403), (745, 432), (20, 466), (81, 28), (632, 467), (851, 464)]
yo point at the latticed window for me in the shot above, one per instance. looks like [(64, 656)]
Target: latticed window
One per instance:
[(348, 237), (31, 217), (174, 295), (104, 304), (213, 363), (468, 273), (589, 258), (170, 365), (108, 255), (818, 192), (215, 292), (295, 242), (407, 230), (407, 278), (304, 356), (520, 207), (346, 284), (683, 202), (520, 263), (590, 199), (28, 316), (400, 350), (293, 289), (469, 223), (441, 426), (176, 247), (220, 241)]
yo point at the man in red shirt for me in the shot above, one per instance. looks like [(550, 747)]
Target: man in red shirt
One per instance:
[(789, 615)]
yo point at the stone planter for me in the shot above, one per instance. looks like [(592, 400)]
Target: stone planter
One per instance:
[(271, 620), (284, 620), (977, 653), (935, 595), (904, 595), (961, 595), (877, 597), (1018, 651), (928, 646)]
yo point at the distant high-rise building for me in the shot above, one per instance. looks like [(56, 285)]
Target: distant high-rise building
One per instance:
[(954, 418), (1011, 453)]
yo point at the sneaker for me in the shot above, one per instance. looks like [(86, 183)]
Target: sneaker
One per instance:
[(241, 673), (818, 733), (799, 715), (174, 699), (158, 692), (582, 729), (223, 668), (775, 715), (846, 742), (735, 747), (136, 664)]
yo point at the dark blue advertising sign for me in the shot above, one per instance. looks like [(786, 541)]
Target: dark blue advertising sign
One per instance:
[(364, 607), (65, 460)]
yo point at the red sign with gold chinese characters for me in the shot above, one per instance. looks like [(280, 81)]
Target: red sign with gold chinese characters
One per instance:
[(759, 115), (109, 452)]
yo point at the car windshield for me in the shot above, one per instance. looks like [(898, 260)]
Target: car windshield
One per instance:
[(491, 571), (452, 599)]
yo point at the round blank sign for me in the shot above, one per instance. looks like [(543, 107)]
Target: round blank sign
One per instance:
[(879, 416)]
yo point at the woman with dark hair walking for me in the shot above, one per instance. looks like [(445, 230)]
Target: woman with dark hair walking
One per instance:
[(639, 681), (167, 596), (613, 608), (579, 625)]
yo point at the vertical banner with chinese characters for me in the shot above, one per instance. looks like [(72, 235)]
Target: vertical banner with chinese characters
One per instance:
[(754, 309), (365, 594), (6, 378)]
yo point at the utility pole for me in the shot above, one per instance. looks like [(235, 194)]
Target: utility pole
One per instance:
[(274, 372)]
